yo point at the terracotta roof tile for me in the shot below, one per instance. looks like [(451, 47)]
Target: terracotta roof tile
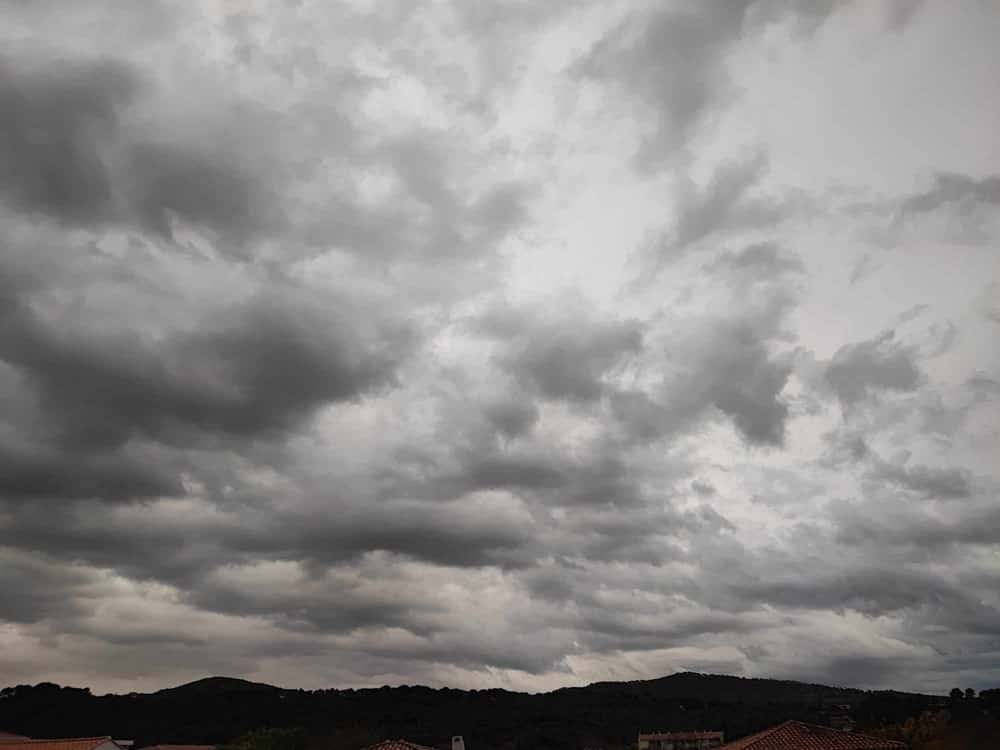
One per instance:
[(75, 743), (797, 735), (397, 745)]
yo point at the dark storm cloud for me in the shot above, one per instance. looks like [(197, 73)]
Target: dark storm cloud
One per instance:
[(176, 549), (35, 470), (203, 185), (256, 368), (246, 423), (70, 150), (730, 367), (596, 476), (459, 535), (32, 589), (729, 363), (320, 603), (54, 124), (876, 365)]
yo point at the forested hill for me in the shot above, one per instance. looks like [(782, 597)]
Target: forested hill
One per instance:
[(607, 714)]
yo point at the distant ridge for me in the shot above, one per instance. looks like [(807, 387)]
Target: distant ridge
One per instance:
[(219, 685), (217, 710)]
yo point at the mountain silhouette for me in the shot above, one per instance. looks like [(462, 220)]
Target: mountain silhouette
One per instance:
[(216, 710)]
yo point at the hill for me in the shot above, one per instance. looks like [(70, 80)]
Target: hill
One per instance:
[(605, 714)]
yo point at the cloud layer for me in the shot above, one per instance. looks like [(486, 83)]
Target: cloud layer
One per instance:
[(506, 346)]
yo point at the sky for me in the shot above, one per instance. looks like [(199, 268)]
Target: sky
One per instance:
[(499, 343)]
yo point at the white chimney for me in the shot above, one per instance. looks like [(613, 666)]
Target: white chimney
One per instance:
[(457, 743)]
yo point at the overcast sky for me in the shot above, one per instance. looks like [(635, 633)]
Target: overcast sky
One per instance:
[(499, 343)]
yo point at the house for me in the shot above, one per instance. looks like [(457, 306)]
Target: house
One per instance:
[(797, 735), (680, 740), (75, 743)]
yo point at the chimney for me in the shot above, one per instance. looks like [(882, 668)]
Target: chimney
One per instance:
[(457, 743)]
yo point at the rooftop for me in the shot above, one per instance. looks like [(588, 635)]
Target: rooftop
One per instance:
[(398, 745), (75, 743), (797, 735)]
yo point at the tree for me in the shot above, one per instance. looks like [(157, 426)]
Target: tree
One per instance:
[(270, 739), (970, 693), (955, 695)]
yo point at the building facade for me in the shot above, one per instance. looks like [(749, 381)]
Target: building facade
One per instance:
[(680, 740)]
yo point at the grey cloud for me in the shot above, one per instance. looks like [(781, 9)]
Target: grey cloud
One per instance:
[(533, 655), (458, 535), (953, 189), (181, 552), (862, 268), (322, 604), (673, 59), (203, 185), (32, 589), (705, 489), (512, 418), (917, 529), (428, 216), (754, 405), (596, 476), (959, 208), (872, 591), (564, 357), (764, 261), (53, 128), (34, 470), (864, 669), (727, 364), (911, 313), (71, 150), (287, 439), (927, 481), (880, 364), (727, 203), (256, 368)]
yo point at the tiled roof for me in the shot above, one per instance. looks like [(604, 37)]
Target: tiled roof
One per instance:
[(76, 743), (797, 735), (397, 745)]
